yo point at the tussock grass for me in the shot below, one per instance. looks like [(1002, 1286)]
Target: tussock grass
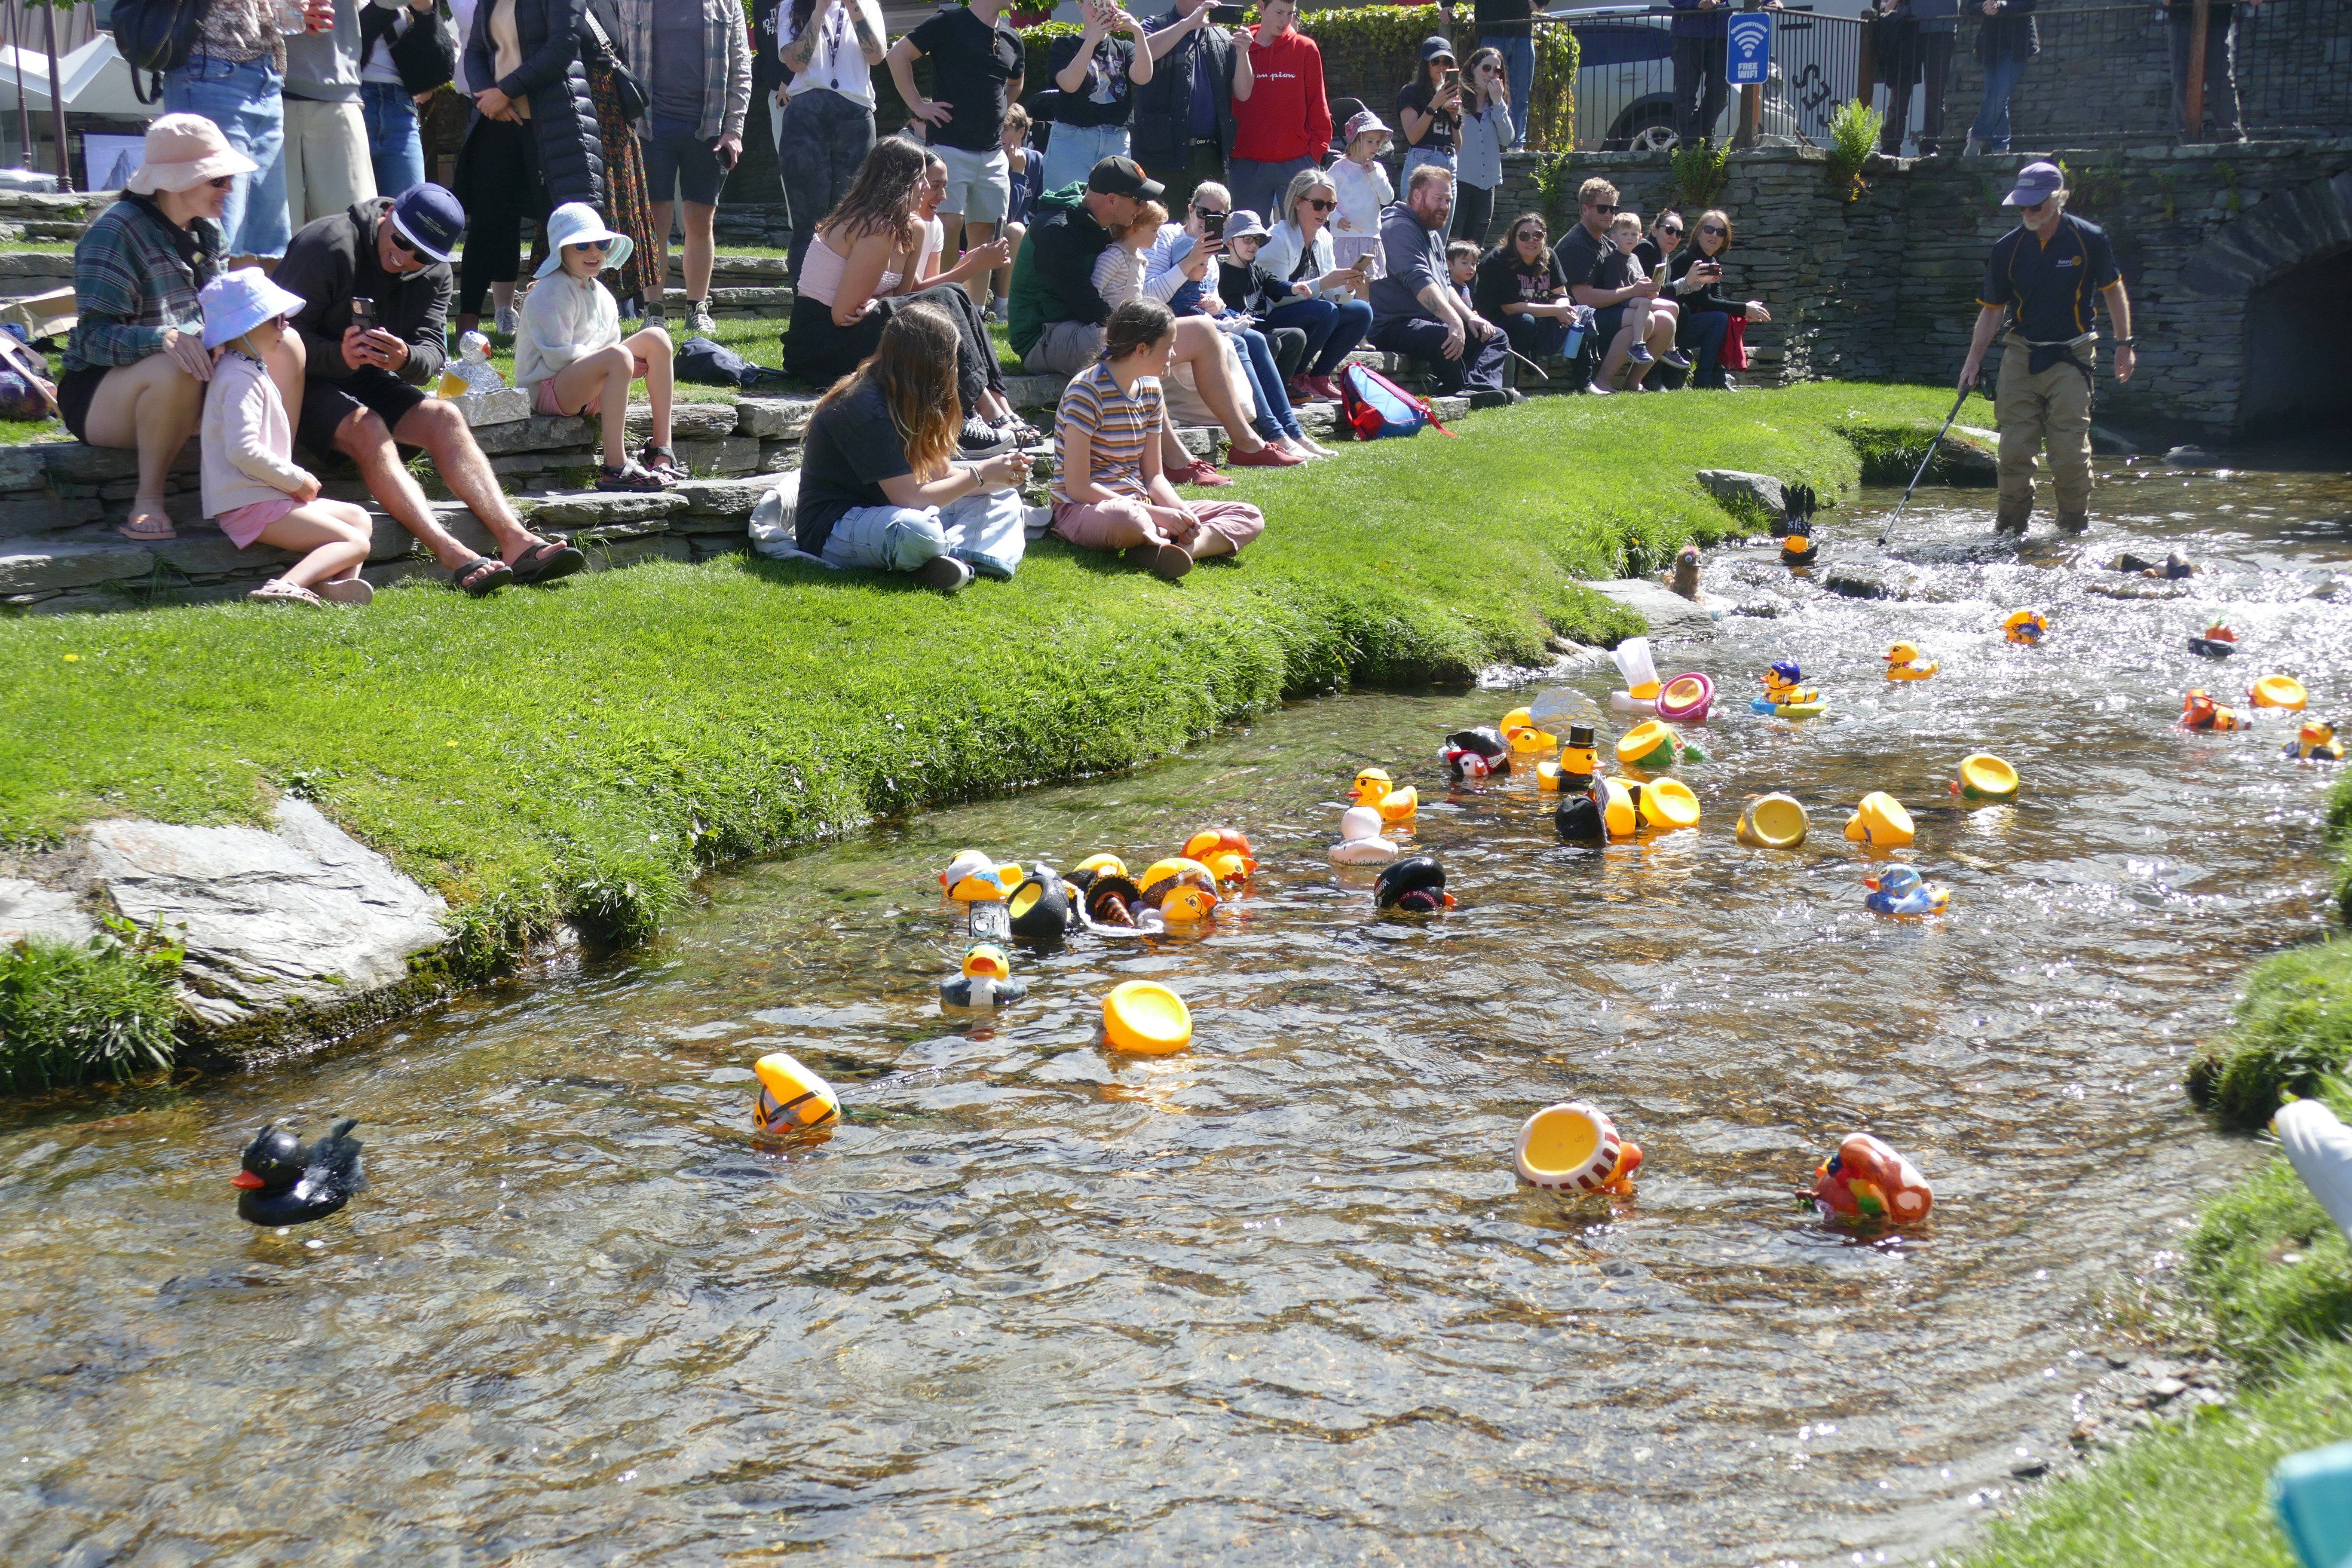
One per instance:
[(580, 751), (2293, 1030), (73, 1012)]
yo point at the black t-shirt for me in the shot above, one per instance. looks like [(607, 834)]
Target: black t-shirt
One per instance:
[(1106, 97), (2048, 287), (1504, 279), (1504, 18), (767, 70), (1709, 297), (850, 449), (1415, 95), (1578, 253), (1616, 269), (971, 63)]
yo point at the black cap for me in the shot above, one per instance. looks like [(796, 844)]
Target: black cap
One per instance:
[(1124, 177), (1435, 47)]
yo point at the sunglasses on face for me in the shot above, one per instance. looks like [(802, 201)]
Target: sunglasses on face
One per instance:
[(1534, 234), (224, 183), (1320, 204), (1604, 207), (1675, 229), (597, 246), (1710, 228)]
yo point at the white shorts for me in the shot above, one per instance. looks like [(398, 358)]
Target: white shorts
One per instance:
[(980, 184)]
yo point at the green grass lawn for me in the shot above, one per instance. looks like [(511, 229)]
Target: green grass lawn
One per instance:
[(579, 751)]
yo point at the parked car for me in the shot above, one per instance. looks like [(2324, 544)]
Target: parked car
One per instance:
[(1625, 78)]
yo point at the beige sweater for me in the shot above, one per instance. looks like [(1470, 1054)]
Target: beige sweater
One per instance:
[(248, 442)]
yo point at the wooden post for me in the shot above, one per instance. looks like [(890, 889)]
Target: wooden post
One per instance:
[(2192, 99), (1751, 100), (1865, 62), (57, 99), (23, 115)]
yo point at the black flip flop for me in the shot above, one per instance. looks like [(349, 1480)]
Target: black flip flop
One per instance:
[(482, 576), (546, 562)]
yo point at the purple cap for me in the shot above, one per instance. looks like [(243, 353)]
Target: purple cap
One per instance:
[(2036, 183)]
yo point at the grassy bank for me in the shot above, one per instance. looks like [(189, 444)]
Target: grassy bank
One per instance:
[(579, 753)]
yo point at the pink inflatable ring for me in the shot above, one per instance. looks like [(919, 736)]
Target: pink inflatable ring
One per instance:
[(1685, 699)]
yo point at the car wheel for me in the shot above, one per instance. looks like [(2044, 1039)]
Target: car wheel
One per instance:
[(1655, 137)]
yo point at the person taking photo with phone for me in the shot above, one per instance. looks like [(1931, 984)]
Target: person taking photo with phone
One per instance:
[(1282, 118), (1714, 325), (1335, 317), (978, 63), (1094, 74), (1428, 109), (695, 59)]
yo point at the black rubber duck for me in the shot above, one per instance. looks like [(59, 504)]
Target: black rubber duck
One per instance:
[(1471, 755), (1041, 908), (1578, 819), (1413, 887), (287, 1182), (1794, 528)]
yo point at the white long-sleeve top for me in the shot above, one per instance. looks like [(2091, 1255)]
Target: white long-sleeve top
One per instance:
[(248, 440), (1161, 274), (2320, 1147), (1280, 253), (563, 318), (1363, 191), (1118, 275)]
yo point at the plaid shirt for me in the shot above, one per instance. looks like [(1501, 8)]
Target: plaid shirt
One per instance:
[(726, 62), (136, 274)]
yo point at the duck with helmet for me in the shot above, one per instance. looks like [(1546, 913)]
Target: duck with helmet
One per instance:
[(2218, 642), (2200, 712), (284, 1180), (1473, 755), (2316, 743), (2027, 626), (1784, 693), (1899, 890), (1794, 527), (1413, 887)]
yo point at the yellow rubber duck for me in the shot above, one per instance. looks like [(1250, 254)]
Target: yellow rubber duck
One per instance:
[(1904, 663), (1880, 820), (2316, 743), (2027, 626), (1373, 787)]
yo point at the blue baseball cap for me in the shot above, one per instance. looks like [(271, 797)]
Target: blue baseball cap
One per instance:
[(2036, 183), (429, 219)]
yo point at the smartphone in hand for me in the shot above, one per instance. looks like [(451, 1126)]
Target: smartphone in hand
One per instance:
[(1213, 225), (364, 312)]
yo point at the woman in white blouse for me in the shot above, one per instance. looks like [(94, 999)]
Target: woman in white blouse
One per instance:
[(1299, 248)]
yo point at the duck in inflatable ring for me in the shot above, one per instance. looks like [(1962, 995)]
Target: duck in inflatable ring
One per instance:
[(1784, 697), (1868, 1182)]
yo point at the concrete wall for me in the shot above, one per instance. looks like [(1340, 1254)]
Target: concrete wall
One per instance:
[(1884, 287)]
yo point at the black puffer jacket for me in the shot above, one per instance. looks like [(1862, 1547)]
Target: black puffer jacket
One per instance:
[(563, 115)]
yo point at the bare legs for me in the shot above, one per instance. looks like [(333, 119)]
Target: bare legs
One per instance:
[(604, 377), (999, 282), (700, 250), (334, 533), (440, 430), (152, 408), (1201, 345)]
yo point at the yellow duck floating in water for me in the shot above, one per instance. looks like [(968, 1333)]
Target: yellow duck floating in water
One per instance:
[(1904, 663), (2316, 743), (1373, 787)]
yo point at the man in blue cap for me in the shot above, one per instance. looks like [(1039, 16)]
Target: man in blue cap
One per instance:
[(2038, 282), (364, 394)]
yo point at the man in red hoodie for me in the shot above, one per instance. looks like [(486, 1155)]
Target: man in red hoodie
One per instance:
[(1282, 124)]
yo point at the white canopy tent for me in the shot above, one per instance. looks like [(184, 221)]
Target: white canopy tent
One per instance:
[(92, 79)]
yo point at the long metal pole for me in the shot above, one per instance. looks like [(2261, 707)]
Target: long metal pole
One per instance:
[(1887, 533), (16, 61), (56, 100), (2192, 101)]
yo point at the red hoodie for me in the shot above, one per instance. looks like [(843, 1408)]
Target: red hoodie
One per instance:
[(1286, 115)]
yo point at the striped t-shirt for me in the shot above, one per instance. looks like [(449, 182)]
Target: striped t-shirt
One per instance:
[(1116, 425)]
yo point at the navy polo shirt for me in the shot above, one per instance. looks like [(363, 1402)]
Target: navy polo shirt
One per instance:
[(2047, 287)]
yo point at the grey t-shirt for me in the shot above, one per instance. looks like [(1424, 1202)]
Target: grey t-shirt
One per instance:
[(1415, 256), (675, 81)]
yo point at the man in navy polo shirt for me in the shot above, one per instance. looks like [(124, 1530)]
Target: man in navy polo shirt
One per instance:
[(2040, 280)]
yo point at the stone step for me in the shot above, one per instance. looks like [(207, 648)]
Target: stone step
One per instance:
[(734, 271), (763, 303)]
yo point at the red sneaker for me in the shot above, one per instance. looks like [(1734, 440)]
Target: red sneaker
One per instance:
[(1267, 457), (1200, 471), (1322, 387), (1298, 389)]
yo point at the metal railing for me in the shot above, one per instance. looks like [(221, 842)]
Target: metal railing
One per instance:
[(1626, 76)]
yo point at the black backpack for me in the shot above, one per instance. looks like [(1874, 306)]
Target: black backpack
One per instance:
[(155, 37), (709, 363)]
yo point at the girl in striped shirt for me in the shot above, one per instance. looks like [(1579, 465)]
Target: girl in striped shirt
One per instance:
[(1110, 491)]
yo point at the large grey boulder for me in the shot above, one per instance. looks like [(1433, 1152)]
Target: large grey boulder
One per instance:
[(1671, 617), (28, 908), (1734, 486), (304, 915)]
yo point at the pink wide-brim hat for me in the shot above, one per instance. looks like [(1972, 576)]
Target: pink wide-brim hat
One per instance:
[(185, 151)]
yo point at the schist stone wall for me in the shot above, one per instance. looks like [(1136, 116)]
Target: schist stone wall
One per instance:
[(2216, 243)]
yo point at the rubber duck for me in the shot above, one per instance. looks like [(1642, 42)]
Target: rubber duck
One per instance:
[(1225, 851), (1116, 903), (2279, 691), (1985, 777), (1867, 1180), (1039, 909), (1180, 888), (1686, 698), (1528, 740), (1640, 697), (1904, 663), (1620, 816), (1578, 763), (1373, 788), (986, 983), (1146, 1019), (2219, 642), (1360, 841), (1879, 820), (1683, 576), (791, 1099), (1784, 697), (285, 1181), (2027, 626), (1476, 753), (1794, 527), (2200, 712), (1664, 805), (1574, 1147), (1773, 822), (2316, 743), (1415, 886), (1901, 891), (1649, 745), (1578, 820), (973, 875), (1083, 874)]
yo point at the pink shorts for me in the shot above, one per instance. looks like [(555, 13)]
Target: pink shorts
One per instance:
[(244, 524), (545, 402)]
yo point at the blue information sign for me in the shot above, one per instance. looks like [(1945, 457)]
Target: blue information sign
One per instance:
[(1748, 59)]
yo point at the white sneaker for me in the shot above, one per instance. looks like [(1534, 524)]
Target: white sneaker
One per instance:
[(699, 323), (508, 320)]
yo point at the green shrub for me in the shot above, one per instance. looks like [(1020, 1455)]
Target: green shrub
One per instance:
[(1854, 137), (2274, 1270), (1701, 171), (70, 1012), (2293, 1030)]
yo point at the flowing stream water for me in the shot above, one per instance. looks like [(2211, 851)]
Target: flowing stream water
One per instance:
[(1280, 1298)]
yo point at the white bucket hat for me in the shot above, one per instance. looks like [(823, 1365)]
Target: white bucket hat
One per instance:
[(185, 151), (576, 223), (236, 302)]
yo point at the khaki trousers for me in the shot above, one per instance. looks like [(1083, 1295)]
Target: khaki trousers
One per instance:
[(327, 166), (2031, 410)]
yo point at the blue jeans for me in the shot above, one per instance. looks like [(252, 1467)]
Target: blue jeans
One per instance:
[(246, 100), (1534, 336), (1413, 158), (1333, 329), (1274, 420), (1073, 152), (985, 532), (1519, 66), (1991, 129), (1705, 330), (825, 137), (394, 146)]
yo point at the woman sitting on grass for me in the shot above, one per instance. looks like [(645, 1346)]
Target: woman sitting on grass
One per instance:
[(572, 357), (850, 288), (253, 488), (876, 486), (973, 349), (1111, 492)]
